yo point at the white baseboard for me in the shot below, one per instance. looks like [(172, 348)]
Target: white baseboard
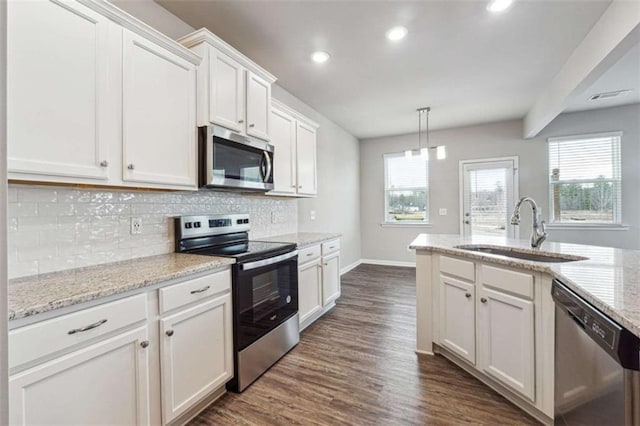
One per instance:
[(388, 263), (350, 267)]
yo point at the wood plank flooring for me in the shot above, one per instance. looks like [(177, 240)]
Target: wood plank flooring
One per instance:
[(357, 366)]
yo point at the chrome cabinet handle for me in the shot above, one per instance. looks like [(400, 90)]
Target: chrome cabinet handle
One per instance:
[(144, 344), (169, 333), (87, 327), (240, 121), (201, 290), (467, 295), (252, 125), (483, 299), (131, 166), (104, 163)]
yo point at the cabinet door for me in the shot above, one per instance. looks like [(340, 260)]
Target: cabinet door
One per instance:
[(283, 138), (306, 153), (330, 278), (106, 383), (506, 327), (309, 289), (457, 317), (258, 106), (159, 120), (196, 354), (226, 92), (57, 91)]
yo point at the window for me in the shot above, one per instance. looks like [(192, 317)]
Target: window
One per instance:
[(584, 179), (406, 191)]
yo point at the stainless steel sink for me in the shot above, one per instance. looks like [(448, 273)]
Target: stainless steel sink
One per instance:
[(535, 256)]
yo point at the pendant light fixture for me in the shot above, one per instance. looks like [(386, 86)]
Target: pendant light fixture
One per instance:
[(441, 151)]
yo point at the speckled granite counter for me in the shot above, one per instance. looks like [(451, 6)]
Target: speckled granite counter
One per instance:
[(302, 239), (41, 293), (609, 278)]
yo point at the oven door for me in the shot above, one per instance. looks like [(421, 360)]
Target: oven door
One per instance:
[(265, 295), (236, 161)]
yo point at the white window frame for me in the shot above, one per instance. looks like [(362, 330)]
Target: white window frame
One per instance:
[(403, 223), (617, 213)]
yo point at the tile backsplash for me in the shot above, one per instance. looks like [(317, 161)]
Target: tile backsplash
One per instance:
[(56, 228)]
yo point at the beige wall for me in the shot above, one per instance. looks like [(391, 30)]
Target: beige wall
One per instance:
[(156, 16), (337, 205), (488, 141)]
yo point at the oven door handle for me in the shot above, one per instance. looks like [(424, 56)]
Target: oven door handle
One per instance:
[(270, 261)]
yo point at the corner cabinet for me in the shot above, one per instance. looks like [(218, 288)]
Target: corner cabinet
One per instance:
[(233, 91), (114, 91), (295, 139)]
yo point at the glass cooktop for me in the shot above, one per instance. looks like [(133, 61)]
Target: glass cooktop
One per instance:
[(247, 250)]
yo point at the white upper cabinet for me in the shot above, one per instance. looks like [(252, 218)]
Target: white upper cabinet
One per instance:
[(258, 106), (294, 138), (226, 92), (57, 90), (92, 90), (159, 132), (283, 138), (306, 150), (233, 91)]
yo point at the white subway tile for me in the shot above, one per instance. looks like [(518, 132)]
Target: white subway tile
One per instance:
[(36, 194), (12, 225), (12, 194), (22, 209), (24, 240), (56, 209), (22, 269), (30, 224), (36, 253), (58, 264), (72, 249)]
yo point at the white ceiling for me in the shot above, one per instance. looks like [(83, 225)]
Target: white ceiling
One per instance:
[(469, 65), (623, 75)]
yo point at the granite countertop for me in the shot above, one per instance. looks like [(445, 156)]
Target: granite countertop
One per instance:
[(36, 294), (609, 278), (302, 239)]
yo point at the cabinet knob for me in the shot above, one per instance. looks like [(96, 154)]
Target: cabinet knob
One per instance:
[(325, 264), (252, 125), (467, 295), (131, 166), (483, 299), (104, 163), (240, 121), (144, 343), (169, 333), (466, 222), (293, 186), (299, 186)]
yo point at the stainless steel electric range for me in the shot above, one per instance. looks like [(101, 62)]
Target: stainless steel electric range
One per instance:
[(264, 289)]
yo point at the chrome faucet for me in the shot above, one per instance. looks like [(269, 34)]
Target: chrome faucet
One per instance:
[(538, 233)]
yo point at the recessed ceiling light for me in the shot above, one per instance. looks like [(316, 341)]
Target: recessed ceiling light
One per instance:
[(396, 33), (320, 56), (498, 5)]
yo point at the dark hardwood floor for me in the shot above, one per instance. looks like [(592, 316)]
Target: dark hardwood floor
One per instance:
[(357, 366)]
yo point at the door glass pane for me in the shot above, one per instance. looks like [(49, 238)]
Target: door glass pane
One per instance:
[(487, 208)]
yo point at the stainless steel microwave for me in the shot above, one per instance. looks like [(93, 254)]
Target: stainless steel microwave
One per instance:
[(231, 161)]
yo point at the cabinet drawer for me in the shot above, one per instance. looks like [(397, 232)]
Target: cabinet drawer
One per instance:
[(186, 292), (458, 268), (308, 254), (35, 341), (330, 247), (513, 282)]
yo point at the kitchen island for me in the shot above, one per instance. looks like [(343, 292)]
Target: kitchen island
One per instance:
[(494, 316)]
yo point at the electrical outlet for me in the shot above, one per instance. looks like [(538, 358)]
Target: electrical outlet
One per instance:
[(312, 215), (443, 212), (136, 225)]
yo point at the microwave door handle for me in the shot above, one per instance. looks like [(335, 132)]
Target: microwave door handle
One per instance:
[(263, 171), (267, 158)]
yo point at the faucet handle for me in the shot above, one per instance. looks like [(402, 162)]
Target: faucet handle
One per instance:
[(542, 223)]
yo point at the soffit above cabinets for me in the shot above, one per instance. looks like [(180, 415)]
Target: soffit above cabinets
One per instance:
[(470, 65)]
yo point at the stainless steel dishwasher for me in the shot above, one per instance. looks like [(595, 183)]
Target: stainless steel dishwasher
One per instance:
[(597, 381)]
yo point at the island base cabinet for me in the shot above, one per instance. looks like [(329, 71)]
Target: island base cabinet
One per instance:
[(106, 383), (507, 340), (458, 317), (196, 354)]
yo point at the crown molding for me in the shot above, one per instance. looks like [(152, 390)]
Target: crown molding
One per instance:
[(292, 112)]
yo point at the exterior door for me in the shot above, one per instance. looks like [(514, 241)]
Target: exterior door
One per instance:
[(489, 192)]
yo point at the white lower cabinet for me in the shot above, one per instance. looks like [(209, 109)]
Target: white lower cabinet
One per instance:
[(506, 328), (458, 317), (330, 278), (309, 289), (196, 354), (105, 383)]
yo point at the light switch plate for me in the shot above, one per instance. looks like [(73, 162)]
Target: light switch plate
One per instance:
[(443, 212)]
